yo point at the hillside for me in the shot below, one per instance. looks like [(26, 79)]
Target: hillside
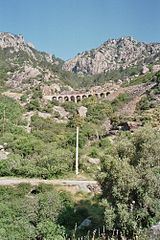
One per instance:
[(113, 55), (118, 114), (23, 67), (31, 78)]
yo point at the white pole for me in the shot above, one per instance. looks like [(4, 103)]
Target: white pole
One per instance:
[(4, 119), (77, 144)]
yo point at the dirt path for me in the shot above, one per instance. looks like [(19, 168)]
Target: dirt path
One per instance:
[(79, 185)]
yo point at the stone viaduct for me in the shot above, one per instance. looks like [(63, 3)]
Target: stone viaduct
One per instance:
[(76, 97), (109, 93)]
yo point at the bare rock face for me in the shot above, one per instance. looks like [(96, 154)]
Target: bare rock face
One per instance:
[(26, 66), (22, 76), (61, 111), (95, 161), (10, 40), (44, 115), (50, 90), (17, 43), (156, 68), (113, 54), (155, 232)]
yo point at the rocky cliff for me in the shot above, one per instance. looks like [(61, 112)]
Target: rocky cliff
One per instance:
[(23, 67), (112, 55), (16, 43)]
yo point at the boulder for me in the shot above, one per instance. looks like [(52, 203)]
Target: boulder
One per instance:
[(62, 112), (50, 90), (95, 161), (86, 223), (145, 70), (44, 115), (82, 111), (155, 232), (156, 68), (3, 153)]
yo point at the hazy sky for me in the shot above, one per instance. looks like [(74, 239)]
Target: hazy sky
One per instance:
[(66, 27)]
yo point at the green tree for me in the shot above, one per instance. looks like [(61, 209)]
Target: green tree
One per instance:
[(48, 230), (130, 182)]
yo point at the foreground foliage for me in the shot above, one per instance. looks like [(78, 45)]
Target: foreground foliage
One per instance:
[(28, 213), (130, 180)]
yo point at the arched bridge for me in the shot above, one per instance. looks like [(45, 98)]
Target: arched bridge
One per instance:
[(76, 97)]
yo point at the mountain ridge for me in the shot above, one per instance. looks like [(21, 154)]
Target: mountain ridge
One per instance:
[(23, 67), (112, 55)]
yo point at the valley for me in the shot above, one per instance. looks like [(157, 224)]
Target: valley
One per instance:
[(112, 93)]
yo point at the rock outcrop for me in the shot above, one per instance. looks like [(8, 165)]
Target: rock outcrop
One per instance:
[(50, 90), (24, 67), (156, 68), (155, 232), (3, 153), (145, 70), (82, 111), (113, 54), (17, 43), (61, 111)]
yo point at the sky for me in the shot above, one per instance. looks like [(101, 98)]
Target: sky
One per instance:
[(67, 27)]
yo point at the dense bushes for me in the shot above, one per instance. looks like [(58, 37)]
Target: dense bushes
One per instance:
[(38, 154), (26, 215), (41, 212), (130, 180), (10, 110), (129, 177)]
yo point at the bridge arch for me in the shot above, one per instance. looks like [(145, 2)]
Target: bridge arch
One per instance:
[(60, 98), (97, 95), (73, 99), (102, 95), (107, 93), (66, 98), (84, 96), (54, 98), (78, 98)]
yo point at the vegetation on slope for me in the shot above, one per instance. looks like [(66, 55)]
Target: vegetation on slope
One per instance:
[(128, 171), (129, 177)]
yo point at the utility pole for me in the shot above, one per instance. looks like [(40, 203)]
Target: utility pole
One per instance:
[(81, 114), (77, 146), (4, 119)]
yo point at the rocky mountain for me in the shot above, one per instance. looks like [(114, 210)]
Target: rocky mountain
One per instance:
[(22, 67), (16, 43), (112, 55)]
